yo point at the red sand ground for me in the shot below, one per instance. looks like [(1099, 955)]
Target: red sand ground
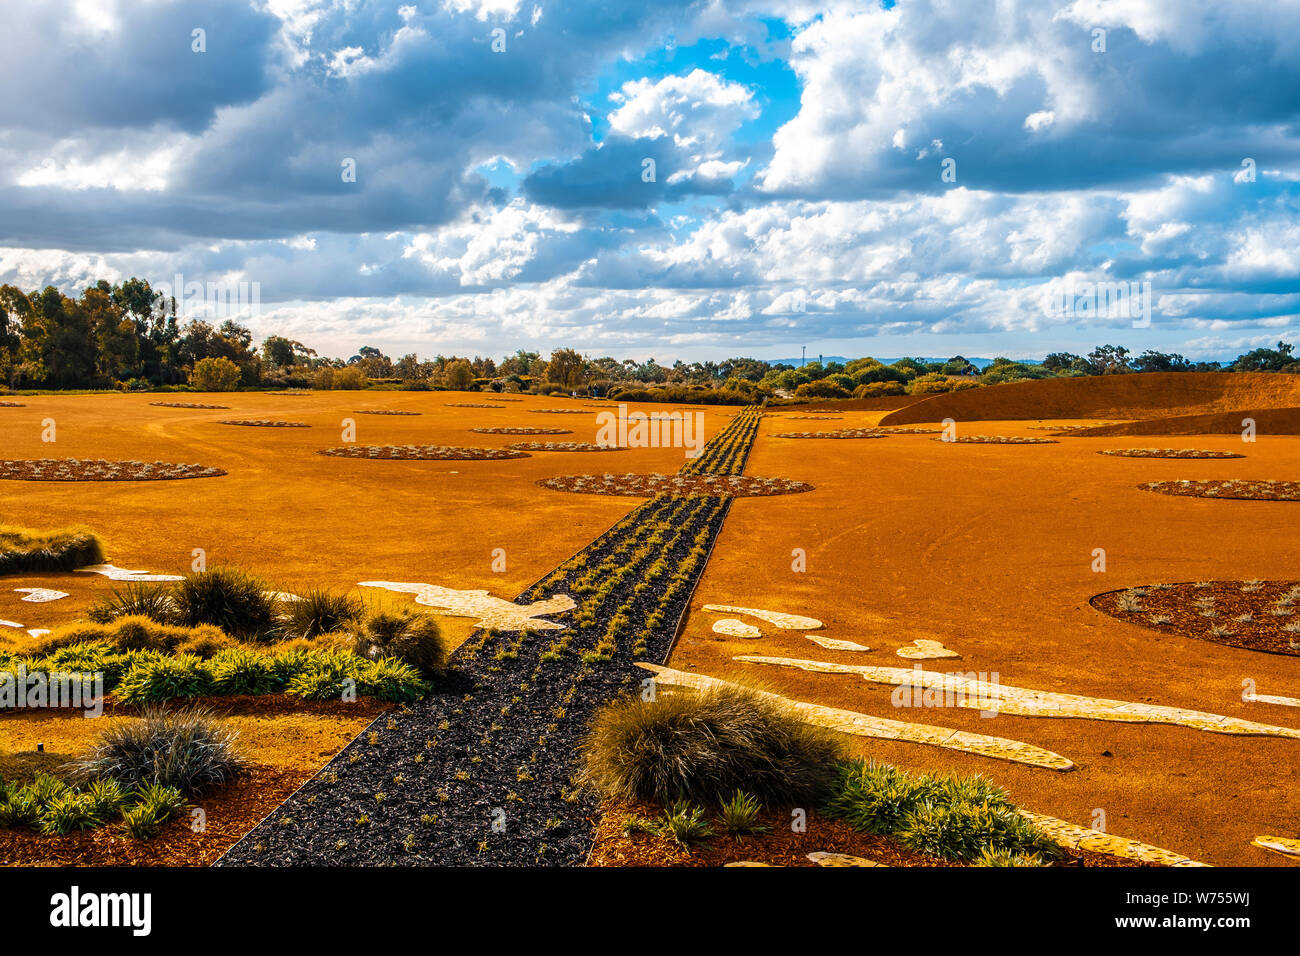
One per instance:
[(988, 549)]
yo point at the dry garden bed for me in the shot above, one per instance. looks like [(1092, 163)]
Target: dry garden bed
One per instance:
[(471, 405), (558, 411), (562, 446), (97, 469), (1240, 489), (841, 433), (421, 453), (996, 440), (1169, 453), (12, 405), (521, 430), (383, 411), (648, 485), (263, 423), (1255, 615), (186, 405)]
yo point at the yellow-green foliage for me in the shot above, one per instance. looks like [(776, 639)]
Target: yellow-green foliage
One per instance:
[(138, 633), (22, 549)]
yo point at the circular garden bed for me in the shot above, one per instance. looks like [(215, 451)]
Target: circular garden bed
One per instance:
[(263, 423), (562, 446), (97, 469), (421, 453), (841, 433), (1168, 453), (996, 440), (558, 411), (471, 405), (382, 411), (186, 405), (1239, 489), (1254, 615), (521, 430), (12, 405), (649, 485)]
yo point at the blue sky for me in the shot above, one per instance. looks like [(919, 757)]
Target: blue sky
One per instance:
[(503, 197)]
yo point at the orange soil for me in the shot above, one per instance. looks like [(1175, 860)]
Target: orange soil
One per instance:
[(286, 741), (1148, 395), (988, 549), (303, 519)]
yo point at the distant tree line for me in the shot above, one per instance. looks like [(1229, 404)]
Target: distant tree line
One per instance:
[(129, 336)]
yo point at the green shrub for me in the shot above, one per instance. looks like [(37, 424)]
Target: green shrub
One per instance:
[(706, 745), (235, 601), (392, 680), (19, 809), (157, 679), (106, 798), (134, 632), (162, 801), (184, 750), (45, 789), (321, 611), (685, 823), (217, 374), (141, 822), (989, 857), (67, 812), (414, 639), (25, 551), (243, 671), (944, 815)]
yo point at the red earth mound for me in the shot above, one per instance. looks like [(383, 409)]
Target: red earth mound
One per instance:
[(1137, 396), (1268, 421)]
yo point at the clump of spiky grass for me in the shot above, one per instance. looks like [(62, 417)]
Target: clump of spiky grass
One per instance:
[(685, 823), (136, 598), (414, 639), (320, 611), (739, 815), (705, 745), (24, 550), (136, 633), (239, 603), (186, 750), (1130, 600)]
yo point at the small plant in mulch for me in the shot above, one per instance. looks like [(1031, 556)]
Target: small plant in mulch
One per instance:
[(263, 423), (1169, 453), (186, 405), (421, 453), (383, 411), (52, 807), (996, 440), (562, 446), (75, 469), (521, 430), (1238, 489), (1253, 615), (649, 485)]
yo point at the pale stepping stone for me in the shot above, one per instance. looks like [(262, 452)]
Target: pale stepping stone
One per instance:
[(1270, 699), (11, 624), (41, 595), (832, 644), (745, 863), (114, 573), (787, 622), (490, 611), (38, 632), (881, 728), (1073, 836), (1001, 698), (822, 858), (1284, 845), (282, 596), (923, 650), (733, 627)]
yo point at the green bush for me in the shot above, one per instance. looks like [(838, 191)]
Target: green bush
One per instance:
[(414, 639), (235, 601), (706, 745), (243, 671), (947, 816), (159, 679), (150, 599), (67, 812), (739, 815), (186, 751), (215, 375)]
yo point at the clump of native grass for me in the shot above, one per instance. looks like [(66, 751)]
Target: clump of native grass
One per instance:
[(23, 550)]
